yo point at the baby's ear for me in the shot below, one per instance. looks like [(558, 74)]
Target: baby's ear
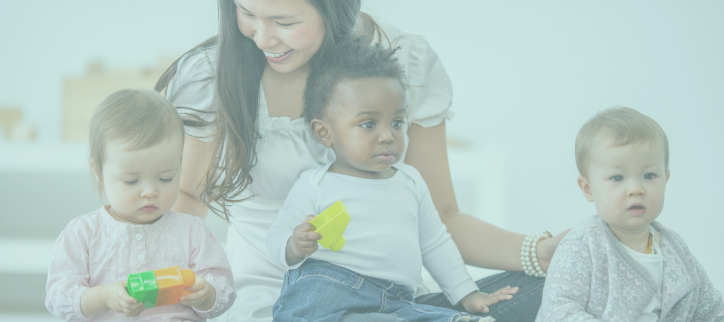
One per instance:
[(95, 173), (93, 167), (585, 187), (321, 132)]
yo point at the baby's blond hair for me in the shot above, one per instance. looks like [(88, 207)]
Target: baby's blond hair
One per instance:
[(624, 126), (139, 117)]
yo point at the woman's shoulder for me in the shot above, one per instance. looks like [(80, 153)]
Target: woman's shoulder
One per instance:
[(396, 35), (192, 88), (429, 95), (201, 59), (197, 66), (412, 49)]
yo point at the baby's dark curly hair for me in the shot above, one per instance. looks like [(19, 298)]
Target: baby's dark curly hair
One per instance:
[(353, 59)]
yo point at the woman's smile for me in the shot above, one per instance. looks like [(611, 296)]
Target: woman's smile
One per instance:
[(278, 58)]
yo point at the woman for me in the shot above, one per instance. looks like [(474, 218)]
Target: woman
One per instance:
[(241, 97)]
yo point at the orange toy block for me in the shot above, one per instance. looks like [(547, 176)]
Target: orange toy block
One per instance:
[(172, 283)]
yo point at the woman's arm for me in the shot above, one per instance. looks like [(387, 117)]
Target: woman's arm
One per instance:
[(480, 243), (196, 157)]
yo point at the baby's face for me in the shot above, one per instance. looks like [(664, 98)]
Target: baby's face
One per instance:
[(142, 185), (367, 119), (627, 184)]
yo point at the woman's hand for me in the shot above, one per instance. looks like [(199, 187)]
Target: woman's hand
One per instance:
[(115, 297), (478, 302), (303, 242), (546, 248), (203, 296)]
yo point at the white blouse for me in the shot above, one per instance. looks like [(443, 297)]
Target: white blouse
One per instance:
[(288, 148)]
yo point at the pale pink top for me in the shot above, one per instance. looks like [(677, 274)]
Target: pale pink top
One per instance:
[(95, 249)]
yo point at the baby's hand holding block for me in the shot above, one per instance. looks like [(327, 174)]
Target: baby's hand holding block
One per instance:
[(160, 287), (331, 224)]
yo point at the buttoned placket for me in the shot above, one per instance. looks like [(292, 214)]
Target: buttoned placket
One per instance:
[(139, 258)]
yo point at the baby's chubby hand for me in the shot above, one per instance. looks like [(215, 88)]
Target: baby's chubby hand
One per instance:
[(477, 302), (203, 296), (303, 242), (115, 297)]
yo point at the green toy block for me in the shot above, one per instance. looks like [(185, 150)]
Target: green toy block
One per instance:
[(144, 288), (331, 224)]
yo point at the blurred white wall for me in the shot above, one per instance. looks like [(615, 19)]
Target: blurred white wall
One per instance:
[(526, 76), (46, 41)]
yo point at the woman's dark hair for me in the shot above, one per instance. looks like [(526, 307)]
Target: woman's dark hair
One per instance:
[(239, 67), (353, 59)]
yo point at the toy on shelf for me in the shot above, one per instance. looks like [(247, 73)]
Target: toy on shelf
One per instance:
[(160, 287), (331, 223)]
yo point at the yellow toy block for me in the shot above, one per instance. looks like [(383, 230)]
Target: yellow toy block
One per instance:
[(331, 224)]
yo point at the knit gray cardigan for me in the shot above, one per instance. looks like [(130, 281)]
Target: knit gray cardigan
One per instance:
[(593, 278)]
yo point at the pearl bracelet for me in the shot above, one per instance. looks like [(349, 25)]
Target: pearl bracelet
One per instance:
[(528, 258)]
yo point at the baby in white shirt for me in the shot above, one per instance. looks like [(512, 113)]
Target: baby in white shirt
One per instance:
[(355, 104)]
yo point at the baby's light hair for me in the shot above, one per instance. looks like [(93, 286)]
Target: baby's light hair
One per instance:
[(624, 126), (138, 117)]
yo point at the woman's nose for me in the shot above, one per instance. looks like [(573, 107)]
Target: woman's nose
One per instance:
[(264, 36)]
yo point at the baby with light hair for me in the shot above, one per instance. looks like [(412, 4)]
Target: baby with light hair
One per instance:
[(622, 265), (136, 143)]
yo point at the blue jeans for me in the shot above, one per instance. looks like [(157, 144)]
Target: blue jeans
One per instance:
[(523, 307), (320, 291)]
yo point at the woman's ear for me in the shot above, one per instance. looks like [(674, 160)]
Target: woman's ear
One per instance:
[(321, 130)]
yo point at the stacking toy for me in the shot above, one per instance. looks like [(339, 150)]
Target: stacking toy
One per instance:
[(331, 223), (160, 287)]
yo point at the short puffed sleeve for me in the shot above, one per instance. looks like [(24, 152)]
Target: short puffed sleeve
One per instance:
[(429, 93), (192, 91)]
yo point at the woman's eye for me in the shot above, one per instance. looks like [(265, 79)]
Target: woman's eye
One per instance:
[(130, 182), (166, 180), (368, 125), (617, 178), (398, 123), (649, 176), (284, 24)]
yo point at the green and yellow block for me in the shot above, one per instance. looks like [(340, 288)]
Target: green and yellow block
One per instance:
[(160, 287), (331, 224)]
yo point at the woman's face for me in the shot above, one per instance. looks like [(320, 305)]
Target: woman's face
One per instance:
[(289, 32)]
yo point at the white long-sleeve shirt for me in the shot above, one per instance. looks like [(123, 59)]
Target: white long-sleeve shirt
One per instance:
[(288, 149), (394, 228)]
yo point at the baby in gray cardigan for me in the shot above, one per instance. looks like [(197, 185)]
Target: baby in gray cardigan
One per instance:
[(622, 265)]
